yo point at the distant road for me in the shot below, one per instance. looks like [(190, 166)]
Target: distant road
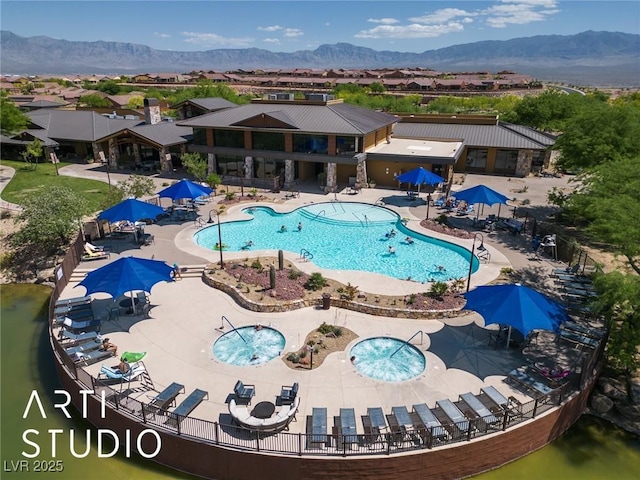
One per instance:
[(571, 90)]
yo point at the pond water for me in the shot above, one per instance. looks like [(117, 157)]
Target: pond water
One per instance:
[(591, 450)]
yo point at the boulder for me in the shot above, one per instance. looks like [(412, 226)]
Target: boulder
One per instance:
[(629, 411), (600, 403), (634, 390), (612, 388)]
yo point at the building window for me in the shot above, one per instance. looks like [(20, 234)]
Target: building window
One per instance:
[(268, 141), (229, 165), (199, 136), (267, 167), (506, 161), (476, 159), (346, 145), (228, 138), (311, 144)]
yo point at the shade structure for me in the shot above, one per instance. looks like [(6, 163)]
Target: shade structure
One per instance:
[(468, 348), (517, 306), (420, 176), (481, 194), (132, 210), (127, 274), (185, 189)]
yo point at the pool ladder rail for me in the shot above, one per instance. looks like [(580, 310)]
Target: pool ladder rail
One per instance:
[(305, 255), (233, 328), (404, 344)]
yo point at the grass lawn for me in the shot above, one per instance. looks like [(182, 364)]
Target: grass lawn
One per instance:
[(27, 182)]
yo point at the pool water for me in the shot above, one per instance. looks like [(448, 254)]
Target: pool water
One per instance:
[(345, 236), (249, 346), (388, 359)]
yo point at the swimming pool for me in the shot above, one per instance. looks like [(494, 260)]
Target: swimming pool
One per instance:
[(249, 345), (388, 359), (345, 236)]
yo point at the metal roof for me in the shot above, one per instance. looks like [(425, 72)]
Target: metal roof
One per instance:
[(210, 104), (497, 136), (337, 118), (535, 135), (84, 126), (164, 133)]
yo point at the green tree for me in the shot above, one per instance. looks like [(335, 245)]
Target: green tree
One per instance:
[(110, 87), (195, 164), (94, 100), (12, 120), (33, 152), (48, 219), (135, 102), (548, 111), (136, 186), (600, 134), (607, 204)]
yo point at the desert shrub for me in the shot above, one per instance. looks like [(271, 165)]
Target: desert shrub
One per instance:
[(325, 328), (293, 357), (438, 289), (294, 274), (337, 331), (257, 265), (229, 195), (315, 282), (442, 220), (350, 291)]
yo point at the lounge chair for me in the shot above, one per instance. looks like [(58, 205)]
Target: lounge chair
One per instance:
[(91, 255), (520, 377), (317, 428), (166, 397), (429, 426), (108, 373), (78, 338), (95, 248), (244, 392), (188, 405), (566, 271), (455, 416), (92, 357), (84, 347), (288, 393), (74, 325), (477, 407)]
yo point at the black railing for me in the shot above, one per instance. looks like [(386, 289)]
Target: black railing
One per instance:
[(224, 433)]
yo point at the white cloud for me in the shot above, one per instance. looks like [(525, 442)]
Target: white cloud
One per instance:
[(519, 12), (213, 39), (272, 28), (414, 30), (451, 20), (293, 32), (161, 35), (384, 21), (441, 16), (271, 40)]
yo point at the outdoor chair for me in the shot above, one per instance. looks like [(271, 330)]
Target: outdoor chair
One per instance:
[(91, 357), (244, 392), (188, 405), (166, 397), (288, 393), (108, 373)]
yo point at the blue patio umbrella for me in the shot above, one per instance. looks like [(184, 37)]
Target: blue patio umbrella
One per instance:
[(185, 189), (518, 306), (481, 194), (126, 275), (419, 176), (132, 210)]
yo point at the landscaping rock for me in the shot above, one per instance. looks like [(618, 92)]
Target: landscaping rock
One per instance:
[(600, 403), (612, 388)]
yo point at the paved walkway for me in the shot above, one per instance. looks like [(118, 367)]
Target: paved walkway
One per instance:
[(6, 174), (185, 321)]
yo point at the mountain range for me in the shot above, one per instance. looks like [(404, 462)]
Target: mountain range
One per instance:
[(587, 58)]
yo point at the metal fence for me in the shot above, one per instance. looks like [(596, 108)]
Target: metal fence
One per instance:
[(225, 433)]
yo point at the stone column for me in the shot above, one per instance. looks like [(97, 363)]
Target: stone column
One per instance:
[(523, 165), (211, 163), (114, 154), (136, 153), (96, 148), (166, 165), (248, 167), (288, 173), (361, 174), (332, 177)]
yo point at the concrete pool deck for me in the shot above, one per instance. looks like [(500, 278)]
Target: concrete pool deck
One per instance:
[(185, 321)]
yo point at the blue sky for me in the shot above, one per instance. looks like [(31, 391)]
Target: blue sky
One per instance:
[(286, 26)]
